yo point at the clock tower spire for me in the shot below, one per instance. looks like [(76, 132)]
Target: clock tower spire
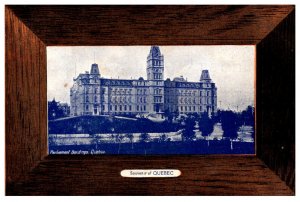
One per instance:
[(155, 64)]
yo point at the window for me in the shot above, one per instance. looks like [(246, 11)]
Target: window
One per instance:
[(86, 107), (87, 99), (185, 108), (95, 99), (103, 107), (110, 107), (200, 108), (144, 99), (120, 107), (137, 108), (207, 93), (194, 108), (129, 107), (190, 108), (125, 108), (116, 108), (95, 90), (200, 93), (181, 108)]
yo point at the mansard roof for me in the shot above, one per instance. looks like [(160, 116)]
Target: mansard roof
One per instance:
[(154, 51), (205, 76), (117, 82)]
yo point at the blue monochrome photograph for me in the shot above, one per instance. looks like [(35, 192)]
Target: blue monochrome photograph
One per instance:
[(151, 100)]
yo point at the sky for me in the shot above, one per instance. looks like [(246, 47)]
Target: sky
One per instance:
[(232, 68)]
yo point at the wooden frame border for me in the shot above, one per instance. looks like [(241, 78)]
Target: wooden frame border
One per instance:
[(29, 29)]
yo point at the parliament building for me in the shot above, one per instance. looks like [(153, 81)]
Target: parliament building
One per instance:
[(92, 94)]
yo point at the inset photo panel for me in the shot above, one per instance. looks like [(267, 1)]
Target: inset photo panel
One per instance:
[(151, 100)]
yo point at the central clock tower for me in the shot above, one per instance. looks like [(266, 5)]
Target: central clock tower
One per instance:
[(155, 77)]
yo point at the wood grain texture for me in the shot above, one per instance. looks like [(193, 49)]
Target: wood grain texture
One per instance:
[(24, 58), (91, 175), (276, 100), (29, 29), (148, 25)]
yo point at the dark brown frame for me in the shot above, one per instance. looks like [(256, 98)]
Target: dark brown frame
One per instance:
[(29, 29)]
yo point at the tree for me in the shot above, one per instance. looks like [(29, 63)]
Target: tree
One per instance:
[(54, 110), (188, 133), (168, 115), (206, 125), (229, 124), (163, 138), (144, 139), (119, 140), (248, 116), (94, 142), (130, 136)]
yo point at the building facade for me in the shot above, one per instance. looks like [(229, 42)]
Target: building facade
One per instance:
[(92, 94)]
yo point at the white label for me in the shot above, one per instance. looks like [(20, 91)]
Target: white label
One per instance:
[(151, 173)]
